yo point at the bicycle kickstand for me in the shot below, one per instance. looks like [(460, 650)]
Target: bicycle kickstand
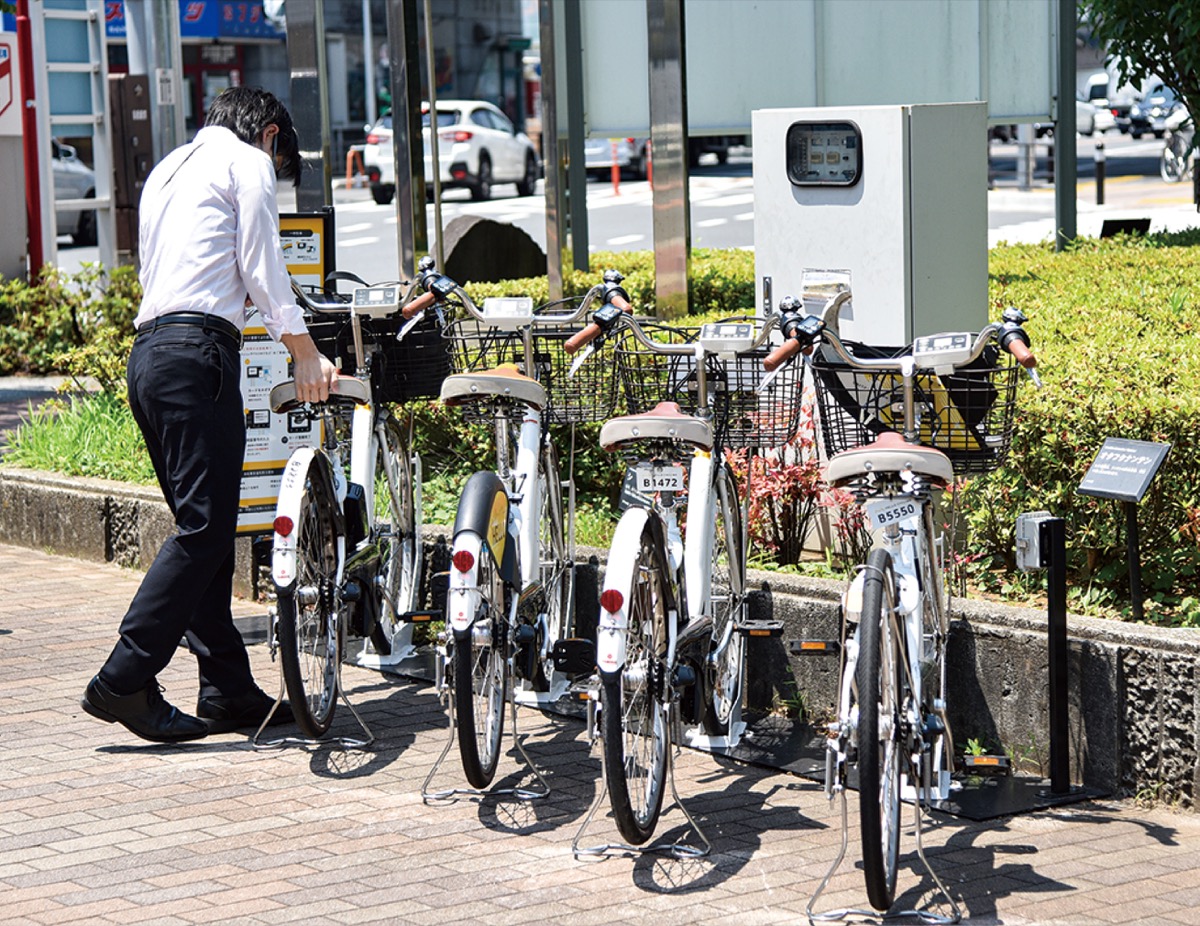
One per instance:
[(925, 916), (449, 794), (345, 742), (677, 849)]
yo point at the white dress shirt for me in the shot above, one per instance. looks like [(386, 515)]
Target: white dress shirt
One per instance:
[(208, 236)]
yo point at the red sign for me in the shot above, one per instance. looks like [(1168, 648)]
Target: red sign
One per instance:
[(6, 83)]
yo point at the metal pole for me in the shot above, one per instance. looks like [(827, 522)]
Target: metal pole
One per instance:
[(1052, 539), (1133, 551), (372, 112), (434, 141), (1064, 129), (29, 131), (404, 53), (668, 130), (1099, 157), (310, 101), (553, 158)]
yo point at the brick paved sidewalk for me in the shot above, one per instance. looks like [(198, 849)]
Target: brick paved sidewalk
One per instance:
[(97, 826)]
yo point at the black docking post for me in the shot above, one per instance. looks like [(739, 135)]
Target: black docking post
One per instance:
[(1053, 541)]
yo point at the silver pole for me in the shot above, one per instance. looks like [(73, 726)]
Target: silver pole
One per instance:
[(434, 152), (369, 64), (310, 101)]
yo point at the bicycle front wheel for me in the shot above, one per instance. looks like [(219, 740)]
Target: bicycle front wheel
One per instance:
[(480, 667), (633, 712), (309, 623), (880, 744), (396, 528), (728, 595)]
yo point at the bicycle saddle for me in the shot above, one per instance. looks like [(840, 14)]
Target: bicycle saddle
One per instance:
[(889, 453), (348, 389), (665, 421), (503, 382)]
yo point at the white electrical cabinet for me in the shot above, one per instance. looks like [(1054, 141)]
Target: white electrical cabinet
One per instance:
[(896, 195)]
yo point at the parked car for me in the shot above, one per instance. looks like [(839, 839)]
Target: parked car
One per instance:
[(73, 180), (631, 156), (477, 147), (1151, 113)]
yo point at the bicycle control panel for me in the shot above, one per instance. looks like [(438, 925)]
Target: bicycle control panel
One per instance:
[(376, 301)]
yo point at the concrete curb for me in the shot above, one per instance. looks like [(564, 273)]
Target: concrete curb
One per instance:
[(1135, 690)]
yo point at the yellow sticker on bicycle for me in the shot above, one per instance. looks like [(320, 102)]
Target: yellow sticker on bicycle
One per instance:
[(497, 529)]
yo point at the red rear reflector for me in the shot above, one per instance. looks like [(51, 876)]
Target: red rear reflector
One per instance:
[(372, 139), (463, 560), (611, 600), (283, 525)]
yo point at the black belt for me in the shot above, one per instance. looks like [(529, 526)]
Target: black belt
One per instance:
[(213, 323)]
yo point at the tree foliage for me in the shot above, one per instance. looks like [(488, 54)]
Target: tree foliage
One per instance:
[(1151, 37)]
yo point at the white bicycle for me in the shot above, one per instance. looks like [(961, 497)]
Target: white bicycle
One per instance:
[(673, 612), (347, 530), (509, 633), (898, 426)]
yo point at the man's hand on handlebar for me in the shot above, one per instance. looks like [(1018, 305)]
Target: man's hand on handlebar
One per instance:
[(313, 373)]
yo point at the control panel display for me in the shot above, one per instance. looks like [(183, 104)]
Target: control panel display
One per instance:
[(824, 153)]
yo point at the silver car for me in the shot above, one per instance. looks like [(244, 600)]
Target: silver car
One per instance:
[(629, 154), (477, 146), (73, 180)]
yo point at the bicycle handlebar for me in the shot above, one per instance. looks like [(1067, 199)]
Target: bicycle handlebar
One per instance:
[(595, 328), (802, 332)]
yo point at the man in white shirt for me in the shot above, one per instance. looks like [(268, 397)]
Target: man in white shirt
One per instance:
[(209, 246)]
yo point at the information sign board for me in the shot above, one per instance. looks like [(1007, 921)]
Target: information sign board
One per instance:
[(1123, 469), (270, 438)]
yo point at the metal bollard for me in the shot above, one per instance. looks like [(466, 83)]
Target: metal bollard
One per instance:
[(1100, 159)]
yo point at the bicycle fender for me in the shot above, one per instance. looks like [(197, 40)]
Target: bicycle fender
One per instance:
[(291, 494), (619, 575), (483, 511)]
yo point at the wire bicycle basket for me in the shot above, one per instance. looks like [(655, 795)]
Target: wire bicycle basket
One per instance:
[(742, 415), (587, 397), (967, 414)]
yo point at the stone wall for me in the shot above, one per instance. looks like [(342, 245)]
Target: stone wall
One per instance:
[(1134, 691)]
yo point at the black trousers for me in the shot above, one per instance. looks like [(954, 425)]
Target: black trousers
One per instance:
[(184, 390)]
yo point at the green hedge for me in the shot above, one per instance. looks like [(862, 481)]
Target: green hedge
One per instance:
[(1115, 326)]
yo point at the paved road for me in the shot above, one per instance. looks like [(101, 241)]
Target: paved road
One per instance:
[(98, 827)]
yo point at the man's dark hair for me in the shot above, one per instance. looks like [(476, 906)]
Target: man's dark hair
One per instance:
[(247, 111)]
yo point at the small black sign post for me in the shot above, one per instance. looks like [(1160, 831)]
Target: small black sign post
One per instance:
[(1123, 470)]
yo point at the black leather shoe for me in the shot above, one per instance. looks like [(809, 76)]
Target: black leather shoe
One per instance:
[(245, 711), (144, 713)]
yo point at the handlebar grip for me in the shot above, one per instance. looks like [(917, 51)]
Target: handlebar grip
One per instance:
[(1020, 350), (620, 302), (581, 337), (780, 355), (422, 302)]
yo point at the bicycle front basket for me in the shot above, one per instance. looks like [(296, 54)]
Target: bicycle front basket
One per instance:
[(967, 414)]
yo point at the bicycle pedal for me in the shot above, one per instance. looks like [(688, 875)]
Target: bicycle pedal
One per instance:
[(421, 617), (759, 628), (815, 647), (574, 656)]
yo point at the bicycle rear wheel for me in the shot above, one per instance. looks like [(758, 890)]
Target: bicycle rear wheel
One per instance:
[(634, 717), (880, 745), (480, 667), (309, 622), (728, 595), (396, 528)]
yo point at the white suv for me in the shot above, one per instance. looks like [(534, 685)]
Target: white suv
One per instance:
[(477, 146)]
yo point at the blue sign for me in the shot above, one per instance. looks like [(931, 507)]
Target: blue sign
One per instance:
[(205, 19)]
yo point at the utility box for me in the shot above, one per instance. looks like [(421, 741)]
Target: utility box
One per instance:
[(133, 152), (896, 195)]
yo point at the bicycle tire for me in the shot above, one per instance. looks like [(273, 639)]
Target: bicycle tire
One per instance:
[(480, 667), (1170, 165), (310, 626), (636, 740), (396, 530), (877, 679), (727, 656), (555, 565)]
